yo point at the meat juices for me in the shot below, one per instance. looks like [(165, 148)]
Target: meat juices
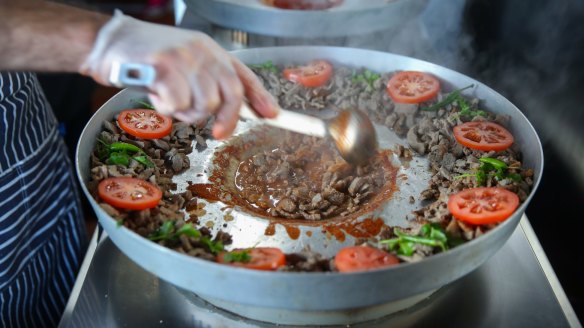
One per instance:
[(302, 177)]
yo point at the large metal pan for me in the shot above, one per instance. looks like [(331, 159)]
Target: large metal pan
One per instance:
[(229, 286)]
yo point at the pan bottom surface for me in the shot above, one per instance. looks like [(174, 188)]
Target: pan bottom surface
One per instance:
[(313, 318)]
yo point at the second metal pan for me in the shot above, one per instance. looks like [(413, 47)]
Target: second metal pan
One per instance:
[(352, 17)]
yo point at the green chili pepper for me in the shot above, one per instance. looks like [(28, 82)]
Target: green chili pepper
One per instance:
[(422, 240), (406, 248), (119, 158), (426, 230), (124, 146), (434, 231), (431, 234), (143, 160), (452, 97), (494, 162)]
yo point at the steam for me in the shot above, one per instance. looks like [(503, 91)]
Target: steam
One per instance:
[(539, 66), (536, 57), (536, 61)]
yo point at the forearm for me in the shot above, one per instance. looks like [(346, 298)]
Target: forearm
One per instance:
[(43, 36)]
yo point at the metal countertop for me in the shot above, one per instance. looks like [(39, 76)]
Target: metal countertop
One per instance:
[(515, 288)]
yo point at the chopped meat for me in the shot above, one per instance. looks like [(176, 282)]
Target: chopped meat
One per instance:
[(415, 143), (286, 204), (306, 174)]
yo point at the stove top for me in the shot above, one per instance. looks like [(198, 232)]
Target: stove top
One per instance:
[(515, 288)]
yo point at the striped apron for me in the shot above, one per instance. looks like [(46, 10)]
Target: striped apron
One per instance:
[(42, 231)]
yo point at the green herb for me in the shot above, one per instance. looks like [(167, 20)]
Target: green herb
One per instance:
[(366, 76), (472, 113), (142, 159), (102, 150), (165, 232), (168, 232), (119, 223), (452, 97), (467, 111), (237, 256), (118, 158), (188, 230), (491, 167), (120, 153), (145, 104), (214, 246), (431, 234), (456, 96), (267, 65)]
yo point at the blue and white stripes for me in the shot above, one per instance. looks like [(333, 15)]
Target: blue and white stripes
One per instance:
[(24, 119), (42, 233)]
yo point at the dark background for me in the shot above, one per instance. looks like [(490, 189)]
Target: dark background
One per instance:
[(532, 52)]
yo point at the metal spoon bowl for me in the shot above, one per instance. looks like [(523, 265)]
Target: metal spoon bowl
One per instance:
[(351, 130), (354, 136)]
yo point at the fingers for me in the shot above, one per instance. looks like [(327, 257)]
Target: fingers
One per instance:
[(259, 98), (206, 97), (191, 116), (171, 90), (228, 114), (184, 86), (200, 79)]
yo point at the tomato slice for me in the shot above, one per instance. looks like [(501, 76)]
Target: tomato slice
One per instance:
[(314, 74), (129, 193), (483, 205), (303, 4), (363, 258), (483, 136), (261, 258), (410, 87), (145, 123)]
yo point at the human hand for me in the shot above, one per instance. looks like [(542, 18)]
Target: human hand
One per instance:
[(195, 77)]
